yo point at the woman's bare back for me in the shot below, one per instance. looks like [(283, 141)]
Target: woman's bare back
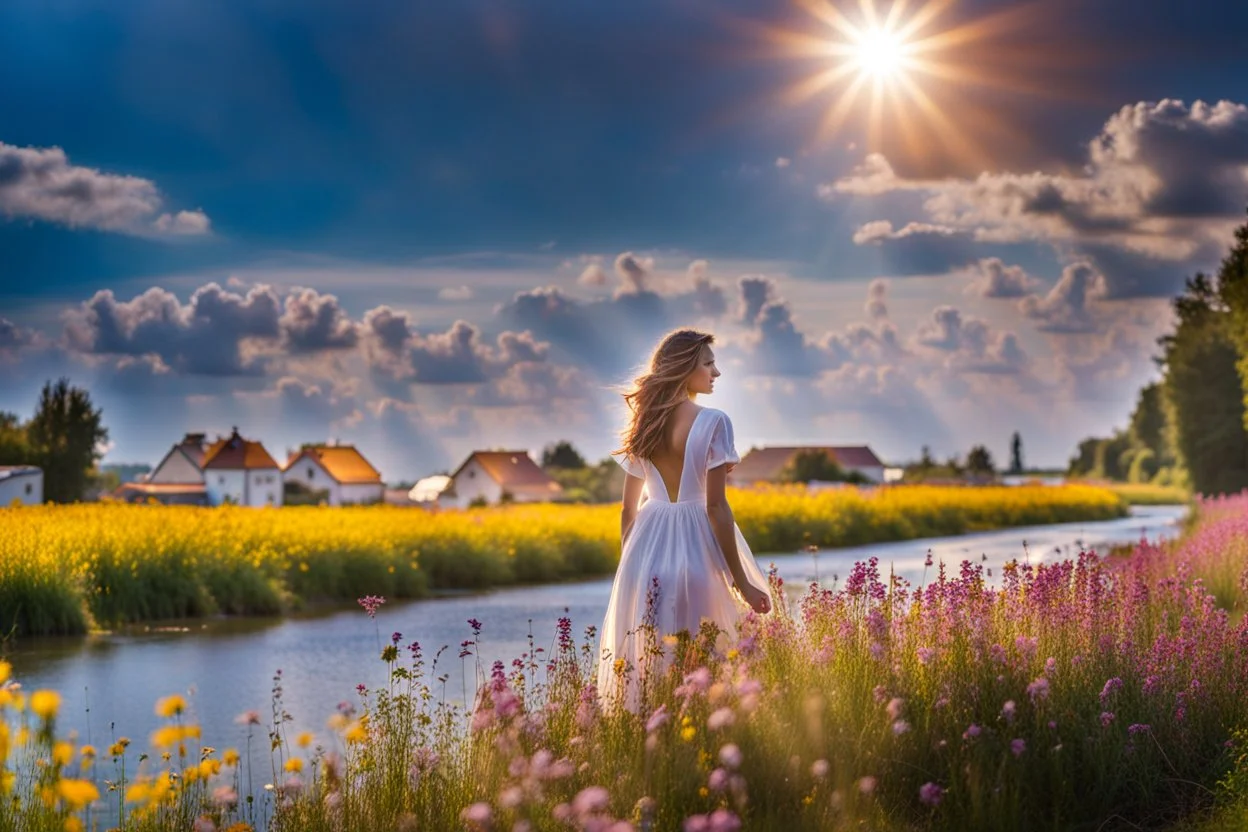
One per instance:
[(669, 461)]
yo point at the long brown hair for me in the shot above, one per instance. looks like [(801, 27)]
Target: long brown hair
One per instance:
[(656, 393)]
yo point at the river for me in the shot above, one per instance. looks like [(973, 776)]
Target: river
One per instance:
[(227, 665)]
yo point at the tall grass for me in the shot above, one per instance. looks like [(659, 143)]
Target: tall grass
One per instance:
[(1080, 694), (64, 569)]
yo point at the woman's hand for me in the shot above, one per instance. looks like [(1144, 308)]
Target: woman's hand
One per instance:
[(758, 600)]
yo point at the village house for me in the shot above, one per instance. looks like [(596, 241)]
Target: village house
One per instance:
[(239, 471), (493, 477), (178, 479), (339, 470), (22, 484), (766, 465)]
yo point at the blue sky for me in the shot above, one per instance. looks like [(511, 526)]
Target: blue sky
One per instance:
[(290, 206)]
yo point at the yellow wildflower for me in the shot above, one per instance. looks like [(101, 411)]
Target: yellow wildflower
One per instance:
[(87, 751), (77, 793), (209, 768), (294, 764), (6, 670), (170, 706), (62, 753), (703, 792), (230, 757), (73, 824), (355, 733), (304, 739), (336, 722), (687, 734), (45, 703), (118, 748)]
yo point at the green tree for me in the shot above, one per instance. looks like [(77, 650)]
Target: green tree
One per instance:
[(64, 436), (1016, 453), (14, 447), (1232, 290), (812, 464), (1084, 460), (979, 461), (1148, 423), (1203, 391), (562, 455)]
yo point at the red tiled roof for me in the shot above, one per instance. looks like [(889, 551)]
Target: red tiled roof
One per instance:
[(766, 464), (515, 471), (236, 453), (343, 462)]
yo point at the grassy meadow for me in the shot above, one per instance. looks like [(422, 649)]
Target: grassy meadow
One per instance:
[(1083, 694), (67, 569)]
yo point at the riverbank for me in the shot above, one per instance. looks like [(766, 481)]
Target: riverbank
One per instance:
[(1078, 693), (68, 569)]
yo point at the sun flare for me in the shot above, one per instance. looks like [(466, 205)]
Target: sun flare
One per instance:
[(917, 75), (880, 53)]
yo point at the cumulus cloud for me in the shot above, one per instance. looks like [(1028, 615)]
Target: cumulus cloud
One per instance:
[(609, 335), (312, 322), (41, 184), (992, 278), (917, 247), (1165, 184), (458, 355), (877, 299), (1067, 308), (204, 336), (970, 344)]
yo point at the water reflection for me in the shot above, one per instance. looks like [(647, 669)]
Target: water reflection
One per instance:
[(110, 681)]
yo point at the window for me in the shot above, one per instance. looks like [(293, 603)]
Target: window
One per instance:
[(471, 474), (311, 473), (29, 488), (221, 479)]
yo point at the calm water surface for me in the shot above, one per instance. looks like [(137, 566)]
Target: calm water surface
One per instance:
[(228, 665)]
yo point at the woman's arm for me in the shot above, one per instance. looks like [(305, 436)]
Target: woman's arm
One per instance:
[(724, 527), (628, 511)]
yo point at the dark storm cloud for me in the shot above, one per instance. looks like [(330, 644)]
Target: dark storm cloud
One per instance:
[(312, 322)]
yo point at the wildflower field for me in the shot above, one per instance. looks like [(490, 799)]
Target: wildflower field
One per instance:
[(1084, 694), (67, 569)]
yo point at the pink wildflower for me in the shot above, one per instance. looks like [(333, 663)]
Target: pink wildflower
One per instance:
[(930, 794), (866, 785), (730, 756), (478, 814), (819, 769), (371, 603), (721, 718), (1017, 747)]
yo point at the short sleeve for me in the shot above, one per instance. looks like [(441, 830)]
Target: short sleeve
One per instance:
[(723, 445), (631, 465)]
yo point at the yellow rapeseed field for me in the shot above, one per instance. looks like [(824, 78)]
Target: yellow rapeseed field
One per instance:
[(65, 569)]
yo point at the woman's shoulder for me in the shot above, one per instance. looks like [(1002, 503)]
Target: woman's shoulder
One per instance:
[(714, 416)]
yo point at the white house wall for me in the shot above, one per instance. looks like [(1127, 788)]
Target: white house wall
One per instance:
[(26, 489), (176, 468), (470, 484), (310, 473), (257, 487)]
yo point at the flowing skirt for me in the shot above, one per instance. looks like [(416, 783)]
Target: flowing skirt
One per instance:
[(672, 576)]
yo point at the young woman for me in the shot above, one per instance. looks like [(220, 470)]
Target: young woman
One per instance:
[(684, 558)]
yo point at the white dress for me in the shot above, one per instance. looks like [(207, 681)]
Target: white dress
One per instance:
[(675, 544)]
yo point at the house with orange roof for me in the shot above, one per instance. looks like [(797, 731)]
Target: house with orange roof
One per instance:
[(493, 477), (240, 471), (339, 470)]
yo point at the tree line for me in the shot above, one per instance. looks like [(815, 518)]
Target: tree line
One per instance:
[(64, 438), (1190, 427)]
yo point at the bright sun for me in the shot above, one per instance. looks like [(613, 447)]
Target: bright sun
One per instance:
[(880, 53), (902, 71)]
